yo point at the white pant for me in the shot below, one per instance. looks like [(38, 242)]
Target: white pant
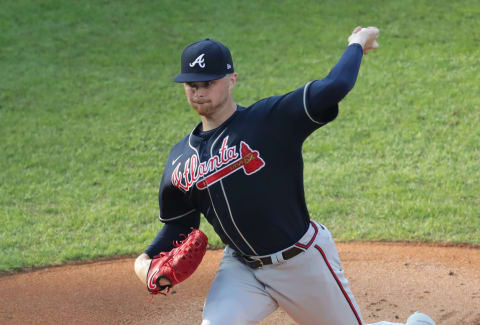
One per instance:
[(310, 287)]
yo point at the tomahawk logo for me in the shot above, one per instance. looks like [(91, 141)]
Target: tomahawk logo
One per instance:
[(200, 60), (219, 166), (250, 162)]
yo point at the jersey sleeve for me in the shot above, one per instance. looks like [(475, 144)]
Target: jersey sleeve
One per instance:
[(174, 203), (311, 106)]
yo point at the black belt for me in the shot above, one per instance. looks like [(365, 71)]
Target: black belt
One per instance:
[(256, 263)]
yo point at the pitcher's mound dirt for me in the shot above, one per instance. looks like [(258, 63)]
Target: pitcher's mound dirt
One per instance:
[(390, 281)]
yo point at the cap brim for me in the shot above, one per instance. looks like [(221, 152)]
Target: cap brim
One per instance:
[(192, 77)]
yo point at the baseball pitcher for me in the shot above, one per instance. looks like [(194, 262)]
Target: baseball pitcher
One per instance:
[(241, 167)]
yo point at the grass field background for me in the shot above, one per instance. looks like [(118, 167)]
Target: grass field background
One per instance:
[(88, 113)]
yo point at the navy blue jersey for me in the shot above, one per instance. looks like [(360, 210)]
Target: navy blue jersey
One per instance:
[(246, 176)]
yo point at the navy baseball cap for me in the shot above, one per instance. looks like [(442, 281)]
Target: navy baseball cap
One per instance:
[(205, 60)]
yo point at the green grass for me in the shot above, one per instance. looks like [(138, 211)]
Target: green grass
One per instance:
[(88, 113)]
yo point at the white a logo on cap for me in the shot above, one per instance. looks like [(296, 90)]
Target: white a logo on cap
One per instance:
[(200, 60)]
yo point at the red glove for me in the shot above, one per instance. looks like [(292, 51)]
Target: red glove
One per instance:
[(178, 264)]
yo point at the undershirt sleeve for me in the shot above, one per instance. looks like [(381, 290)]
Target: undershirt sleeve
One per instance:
[(322, 96), (172, 232)]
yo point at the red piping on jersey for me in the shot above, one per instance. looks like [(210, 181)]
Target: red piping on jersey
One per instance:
[(339, 284), (311, 240)]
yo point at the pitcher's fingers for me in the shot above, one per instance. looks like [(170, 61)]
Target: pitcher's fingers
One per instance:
[(164, 282), (375, 29)]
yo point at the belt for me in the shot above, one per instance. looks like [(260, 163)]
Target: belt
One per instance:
[(256, 263)]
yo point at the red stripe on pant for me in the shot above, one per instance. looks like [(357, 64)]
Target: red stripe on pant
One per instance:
[(312, 239), (339, 284)]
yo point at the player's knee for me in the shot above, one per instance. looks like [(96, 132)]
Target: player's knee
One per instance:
[(229, 320), (230, 311)]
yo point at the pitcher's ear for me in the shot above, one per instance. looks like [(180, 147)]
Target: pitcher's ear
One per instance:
[(232, 80)]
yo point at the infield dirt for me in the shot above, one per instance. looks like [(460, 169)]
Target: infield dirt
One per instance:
[(390, 281)]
